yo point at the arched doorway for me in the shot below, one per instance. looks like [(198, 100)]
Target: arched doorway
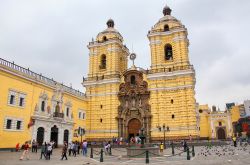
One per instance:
[(40, 135), (54, 134), (134, 126), (66, 136), (221, 134)]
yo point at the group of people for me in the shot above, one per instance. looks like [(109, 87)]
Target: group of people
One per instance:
[(74, 148), (135, 140), (47, 150), (119, 140), (34, 146)]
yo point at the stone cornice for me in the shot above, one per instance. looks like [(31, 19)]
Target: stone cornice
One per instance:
[(161, 75), (162, 33), (102, 94), (171, 88), (101, 82)]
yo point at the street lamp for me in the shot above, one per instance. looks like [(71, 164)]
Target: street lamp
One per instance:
[(81, 132), (165, 128)]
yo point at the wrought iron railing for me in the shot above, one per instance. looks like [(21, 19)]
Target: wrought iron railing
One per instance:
[(58, 114)]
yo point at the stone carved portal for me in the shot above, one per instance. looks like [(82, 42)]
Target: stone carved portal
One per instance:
[(134, 110)]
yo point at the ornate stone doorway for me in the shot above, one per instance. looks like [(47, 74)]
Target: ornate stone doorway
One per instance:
[(134, 111), (221, 134), (134, 126)]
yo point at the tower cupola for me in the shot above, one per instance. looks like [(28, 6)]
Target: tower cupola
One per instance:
[(110, 23), (167, 10)]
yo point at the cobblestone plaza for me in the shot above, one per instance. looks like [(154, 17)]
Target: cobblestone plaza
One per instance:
[(216, 155)]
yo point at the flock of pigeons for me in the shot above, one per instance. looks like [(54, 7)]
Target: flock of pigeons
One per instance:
[(224, 150)]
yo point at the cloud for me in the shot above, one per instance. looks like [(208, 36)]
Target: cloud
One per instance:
[(50, 37)]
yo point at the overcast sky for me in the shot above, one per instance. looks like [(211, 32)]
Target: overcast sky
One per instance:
[(50, 37)]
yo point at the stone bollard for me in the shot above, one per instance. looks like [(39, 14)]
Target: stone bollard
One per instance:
[(188, 154), (172, 148), (101, 157), (91, 152), (147, 157), (193, 153)]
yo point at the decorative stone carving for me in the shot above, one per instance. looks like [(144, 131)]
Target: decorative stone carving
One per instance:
[(134, 103)]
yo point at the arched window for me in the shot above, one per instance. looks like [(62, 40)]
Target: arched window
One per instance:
[(104, 38), (166, 28), (103, 62), (132, 80), (168, 52)]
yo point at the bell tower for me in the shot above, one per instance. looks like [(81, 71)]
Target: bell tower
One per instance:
[(107, 54), (168, 43), (171, 80), (108, 59)]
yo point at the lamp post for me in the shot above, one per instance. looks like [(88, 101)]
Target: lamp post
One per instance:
[(165, 128), (81, 132)]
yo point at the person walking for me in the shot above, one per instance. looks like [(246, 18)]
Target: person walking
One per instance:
[(161, 148), (74, 149), (64, 151), (17, 147), (25, 152), (78, 147), (84, 148), (69, 149), (235, 141), (185, 145), (33, 146), (49, 150), (43, 151)]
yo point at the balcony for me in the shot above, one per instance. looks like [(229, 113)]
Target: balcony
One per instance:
[(59, 115)]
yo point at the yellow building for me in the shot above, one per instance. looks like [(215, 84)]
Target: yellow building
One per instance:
[(35, 107), (215, 124), (119, 101)]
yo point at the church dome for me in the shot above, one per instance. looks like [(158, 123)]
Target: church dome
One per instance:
[(110, 33), (167, 22)]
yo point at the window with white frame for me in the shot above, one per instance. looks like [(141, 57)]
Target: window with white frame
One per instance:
[(16, 98), (18, 124), (82, 114), (12, 98), (21, 100), (13, 124), (8, 124)]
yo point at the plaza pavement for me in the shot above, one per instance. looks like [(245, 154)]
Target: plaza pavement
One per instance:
[(220, 155)]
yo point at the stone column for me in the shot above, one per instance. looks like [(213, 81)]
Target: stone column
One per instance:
[(60, 136), (47, 133), (34, 132), (70, 134)]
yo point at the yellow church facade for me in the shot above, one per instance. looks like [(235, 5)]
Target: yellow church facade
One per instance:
[(118, 102)]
